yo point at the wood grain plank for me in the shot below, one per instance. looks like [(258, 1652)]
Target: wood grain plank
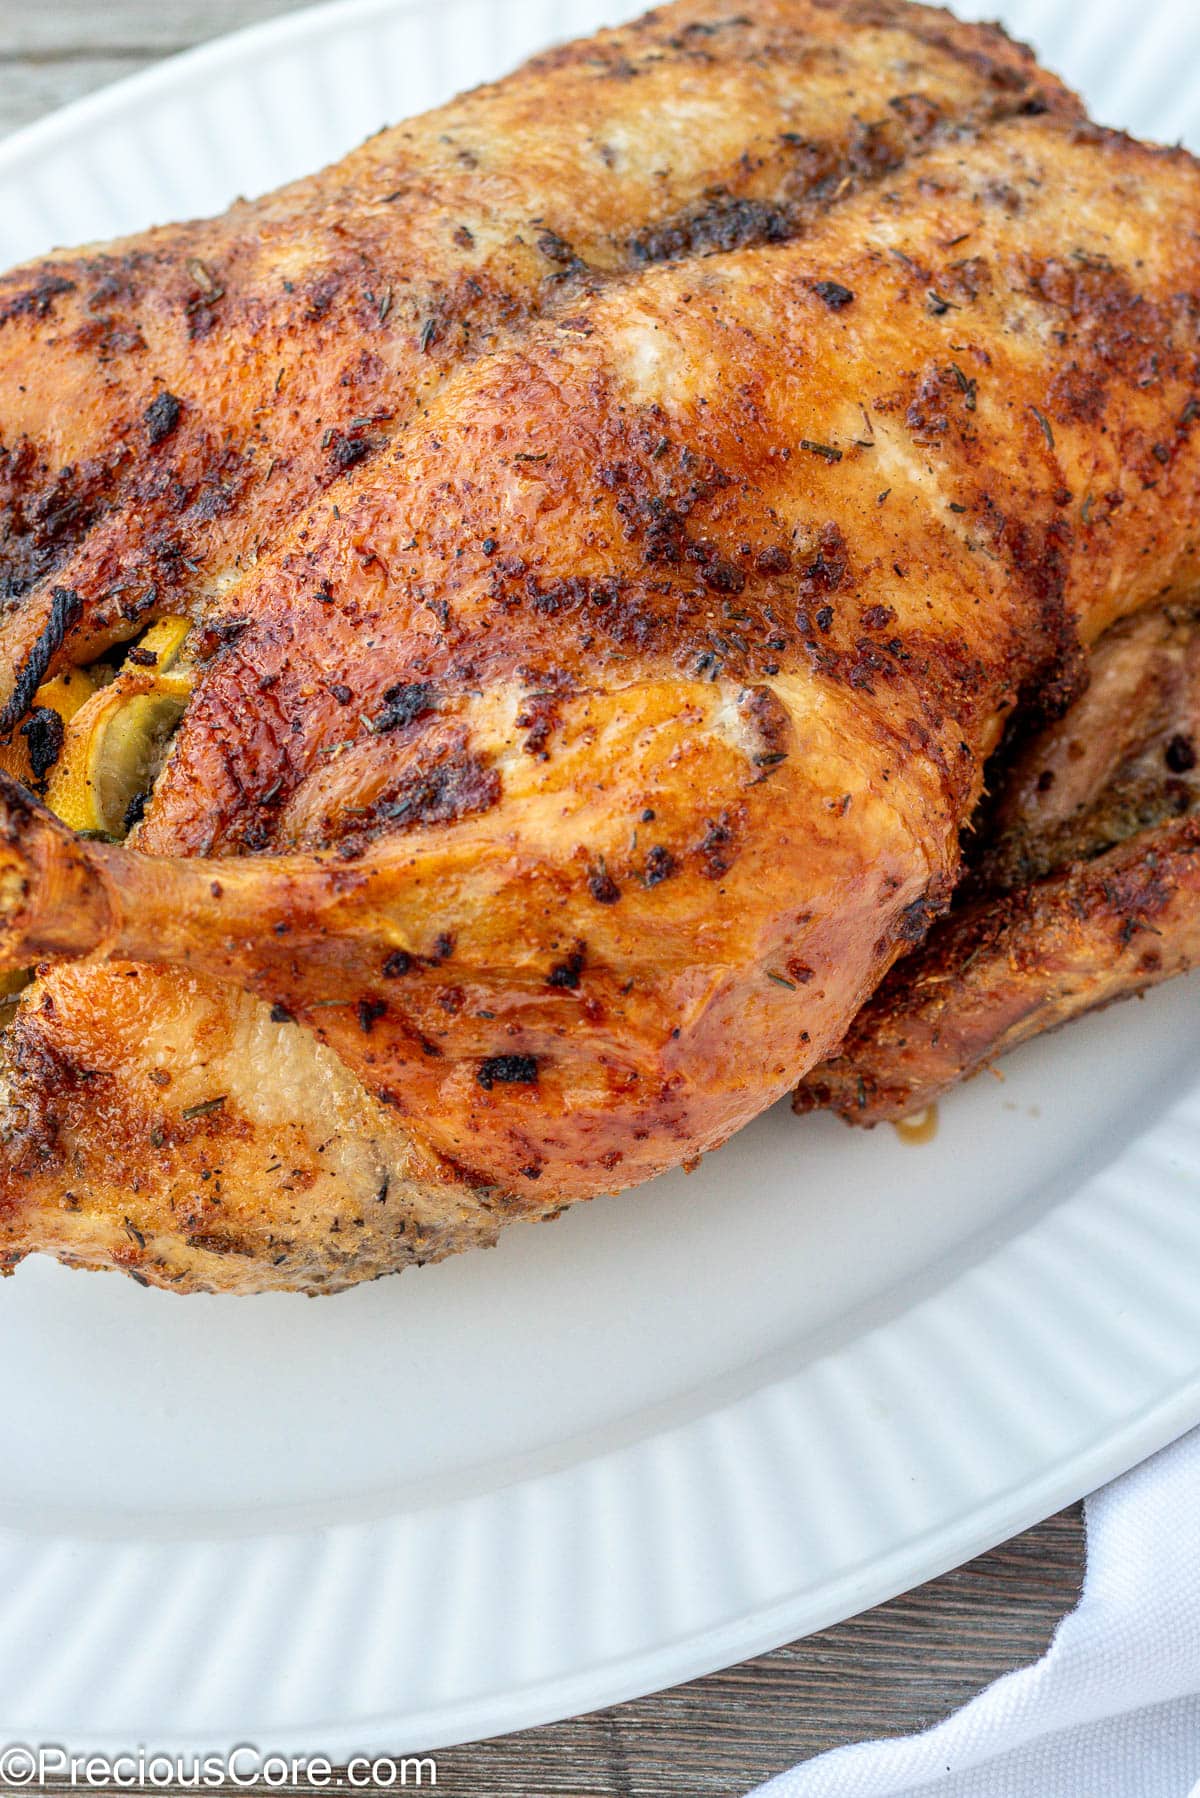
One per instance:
[(890, 1671), (75, 27), (30, 88)]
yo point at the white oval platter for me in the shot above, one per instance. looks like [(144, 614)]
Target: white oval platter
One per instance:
[(678, 1428)]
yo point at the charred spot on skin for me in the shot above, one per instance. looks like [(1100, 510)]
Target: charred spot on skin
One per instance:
[(66, 608), (220, 1242), (835, 296), (161, 417), (1078, 395), (727, 222), (106, 338), (828, 569), (773, 729), (656, 513), (396, 964), (774, 560), (369, 1013), (282, 1014), (556, 249), (321, 293), (565, 974), (345, 452), (507, 1070), (47, 514), (220, 635), (914, 922), (448, 790), (43, 732), (602, 886), (404, 703), (540, 713), (718, 574), (715, 848), (660, 865), (1180, 755), (36, 301), (919, 112)]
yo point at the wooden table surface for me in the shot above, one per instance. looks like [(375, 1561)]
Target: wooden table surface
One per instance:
[(890, 1671)]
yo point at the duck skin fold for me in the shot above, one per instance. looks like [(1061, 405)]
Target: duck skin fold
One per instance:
[(574, 740), (1082, 885)]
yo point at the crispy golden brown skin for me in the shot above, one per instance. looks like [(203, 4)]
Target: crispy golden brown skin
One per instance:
[(1083, 889), (210, 378), (1002, 971), (573, 770), (170, 399)]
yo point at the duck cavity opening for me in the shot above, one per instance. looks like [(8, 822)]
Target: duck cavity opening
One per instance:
[(92, 740)]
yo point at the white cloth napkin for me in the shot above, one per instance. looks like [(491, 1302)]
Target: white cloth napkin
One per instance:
[(1112, 1710)]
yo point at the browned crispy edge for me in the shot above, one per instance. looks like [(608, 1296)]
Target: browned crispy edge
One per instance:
[(1007, 969)]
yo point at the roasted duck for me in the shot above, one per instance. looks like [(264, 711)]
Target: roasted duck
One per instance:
[(573, 561)]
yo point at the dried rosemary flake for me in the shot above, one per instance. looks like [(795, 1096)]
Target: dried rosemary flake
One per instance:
[(203, 277), (205, 1105), (1045, 424)]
